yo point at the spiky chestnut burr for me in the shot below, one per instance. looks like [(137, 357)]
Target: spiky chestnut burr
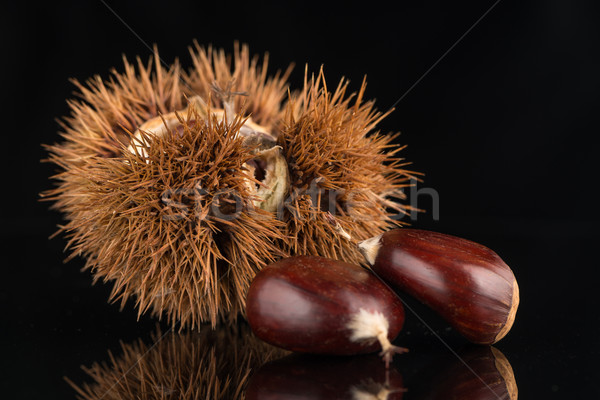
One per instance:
[(195, 365), (166, 187), (318, 305), (466, 283), (325, 378)]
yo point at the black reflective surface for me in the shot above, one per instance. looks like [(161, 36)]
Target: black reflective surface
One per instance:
[(503, 127), (58, 322)]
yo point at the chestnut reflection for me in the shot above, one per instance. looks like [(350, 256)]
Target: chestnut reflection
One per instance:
[(487, 375), (231, 363), (306, 377), (194, 365)]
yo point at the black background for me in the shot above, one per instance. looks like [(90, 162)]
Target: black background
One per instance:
[(504, 128)]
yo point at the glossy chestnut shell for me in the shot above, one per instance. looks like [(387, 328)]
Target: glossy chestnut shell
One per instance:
[(466, 283), (308, 304)]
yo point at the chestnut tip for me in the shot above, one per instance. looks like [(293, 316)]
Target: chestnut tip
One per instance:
[(367, 325), (374, 392), (370, 247)]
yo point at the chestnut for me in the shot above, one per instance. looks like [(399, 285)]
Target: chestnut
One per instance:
[(466, 283), (318, 305), (310, 377)]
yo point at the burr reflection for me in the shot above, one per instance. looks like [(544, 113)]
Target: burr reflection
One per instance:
[(192, 365)]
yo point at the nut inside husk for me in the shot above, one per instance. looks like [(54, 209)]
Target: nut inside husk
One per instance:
[(269, 168)]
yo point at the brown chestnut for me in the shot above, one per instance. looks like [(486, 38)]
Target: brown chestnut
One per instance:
[(318, 305), (466, 283)]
